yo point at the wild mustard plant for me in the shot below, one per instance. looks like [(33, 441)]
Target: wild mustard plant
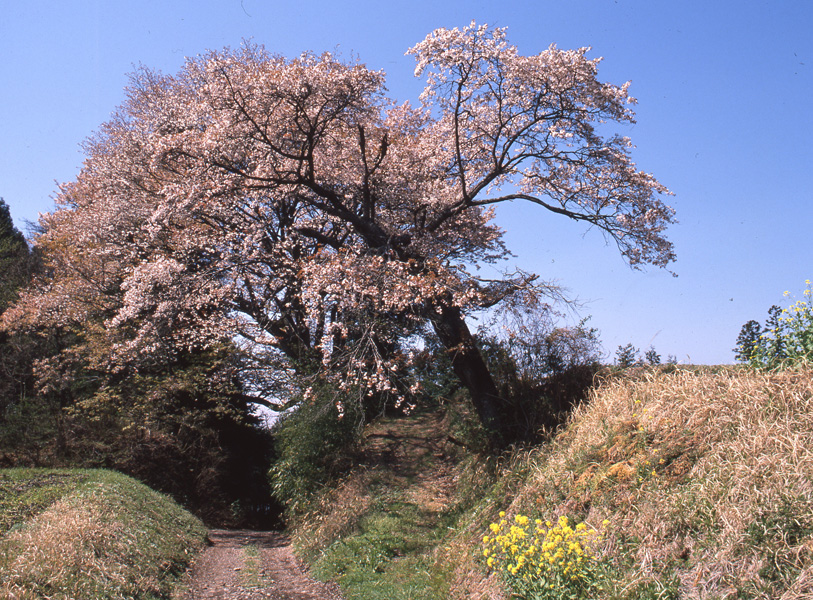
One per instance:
[(787, 339), (540, 560), (797, 326)]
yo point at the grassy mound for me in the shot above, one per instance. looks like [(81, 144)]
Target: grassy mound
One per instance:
[(705, 478), (91, 534)]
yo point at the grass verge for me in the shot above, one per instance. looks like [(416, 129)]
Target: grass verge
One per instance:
[(27, 492), (389, 556), (377, 530), (103, 536)]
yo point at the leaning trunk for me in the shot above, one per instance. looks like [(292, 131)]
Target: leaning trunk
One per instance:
[(471, 369)]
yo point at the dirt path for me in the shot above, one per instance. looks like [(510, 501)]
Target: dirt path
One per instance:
[(409, 454), (413, 452), (253, 565)]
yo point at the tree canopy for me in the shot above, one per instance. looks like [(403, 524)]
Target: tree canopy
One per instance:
[(16, 264), (291, 205), (14, 258)]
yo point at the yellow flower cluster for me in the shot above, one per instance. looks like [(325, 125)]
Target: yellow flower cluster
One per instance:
[(795, 330), (542, 558)]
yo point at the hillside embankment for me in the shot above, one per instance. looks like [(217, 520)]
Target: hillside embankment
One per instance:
[(701, 481), (88, 534)]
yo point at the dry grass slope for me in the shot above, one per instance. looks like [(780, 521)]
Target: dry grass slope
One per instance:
[(108, 538), (705, 476)]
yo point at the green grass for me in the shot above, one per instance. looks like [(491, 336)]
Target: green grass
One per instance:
[(377, 535), (26, 492), (91, 534), (389, 557), (252, 575)]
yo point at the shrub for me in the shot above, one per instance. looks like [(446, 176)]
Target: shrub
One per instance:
[(313, 444)]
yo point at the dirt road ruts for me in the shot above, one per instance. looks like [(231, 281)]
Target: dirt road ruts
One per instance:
[(253, 565)]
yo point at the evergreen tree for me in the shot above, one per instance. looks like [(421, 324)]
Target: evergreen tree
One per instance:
[(652, 357), (14, 258), (747, 341), (626, 356), (16, 350)]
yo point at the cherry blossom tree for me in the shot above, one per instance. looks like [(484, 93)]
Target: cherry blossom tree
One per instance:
[(290, 204)]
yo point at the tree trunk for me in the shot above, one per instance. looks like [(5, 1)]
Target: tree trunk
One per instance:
[(471, 369)]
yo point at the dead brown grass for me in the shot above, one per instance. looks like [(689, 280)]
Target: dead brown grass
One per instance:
[(110, 538), (706, 476), (68, 542)]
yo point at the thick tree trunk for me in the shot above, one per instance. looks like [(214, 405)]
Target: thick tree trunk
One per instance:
[(471, 369)]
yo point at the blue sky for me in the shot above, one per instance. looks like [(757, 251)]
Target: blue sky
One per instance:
[(724, 120)]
